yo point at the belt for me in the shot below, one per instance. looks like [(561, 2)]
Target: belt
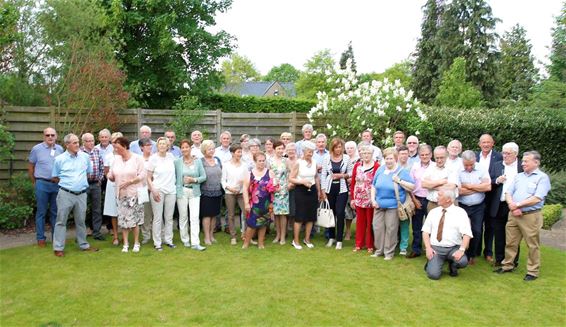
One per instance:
[(530, 212), (72, 192), (45, 180)]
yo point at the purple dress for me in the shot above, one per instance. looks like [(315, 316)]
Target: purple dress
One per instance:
[(260, 201)]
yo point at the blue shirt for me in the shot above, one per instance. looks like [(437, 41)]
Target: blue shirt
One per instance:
[(475, 176), (524, 186), (383, 185), (103, 151), (413, 160), (43, 157), (72, 170), (135, 147), (175, 151), (320, 157)]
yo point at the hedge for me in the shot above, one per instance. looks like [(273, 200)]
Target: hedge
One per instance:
[(551, 213), (530, 128), (557, 194), (233, 103)]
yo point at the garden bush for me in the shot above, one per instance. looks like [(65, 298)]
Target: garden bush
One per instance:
[(233, 103), (17, 199), (551, 213), (557, 194)]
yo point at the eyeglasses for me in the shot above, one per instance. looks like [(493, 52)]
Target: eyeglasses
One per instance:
[(49, 135), (411, 142)]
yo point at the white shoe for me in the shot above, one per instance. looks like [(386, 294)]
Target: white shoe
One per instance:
[(253, 242), (388, 258), (125, 248), (136, 248), (187, 245), (275, 241), (338, 245), (330, 243), (282, 242), (296, 246), (198, 247), (308, 244), (403, 252), (375, 255), (233, 241)]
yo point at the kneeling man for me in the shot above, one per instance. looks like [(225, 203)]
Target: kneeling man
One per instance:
[(446, 235)]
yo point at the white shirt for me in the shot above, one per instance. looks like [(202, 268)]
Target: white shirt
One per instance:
[(456, 164), (306, 172), (434, 173), (223, 154), (233, 175), (510, 173), (163, 169), (485, 161), (195, 152), (456, 225)]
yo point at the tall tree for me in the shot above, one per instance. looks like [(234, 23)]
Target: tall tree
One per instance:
[(426, 70), (282, 73), (166, 47), (314, 78), (239, 69), (348, 54), (400, 71), (557, 68), (455, 91), (517, 72)]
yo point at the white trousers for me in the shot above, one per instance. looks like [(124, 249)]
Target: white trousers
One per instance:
[(163, 210), (189, 205)]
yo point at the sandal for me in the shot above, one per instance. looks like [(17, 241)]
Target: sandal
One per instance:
[(115, 242), (357, 249)]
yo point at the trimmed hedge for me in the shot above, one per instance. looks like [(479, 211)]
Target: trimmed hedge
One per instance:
[(551, 213), (557, 194), (530, 128), (17, 200), (233, 103)]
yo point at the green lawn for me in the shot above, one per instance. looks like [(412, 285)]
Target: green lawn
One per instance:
[(280, 286)]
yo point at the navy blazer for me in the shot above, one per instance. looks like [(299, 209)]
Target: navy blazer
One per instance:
[(495, 157), (498, 169)]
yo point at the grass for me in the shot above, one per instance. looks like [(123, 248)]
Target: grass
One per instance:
[(278, 286)]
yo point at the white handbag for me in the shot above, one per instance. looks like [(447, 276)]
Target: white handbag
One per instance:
[(143, 195), (324, 215)]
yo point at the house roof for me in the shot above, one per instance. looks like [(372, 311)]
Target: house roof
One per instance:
[(257, 88)]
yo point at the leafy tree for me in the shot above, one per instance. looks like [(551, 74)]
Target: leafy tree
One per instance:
[(9, 16), (400, 71), (551, 93), (282, 73), (455, 91), (239, 69), (517, 72), (348, 54), (557, 68), (166, 48), (426, 69), (314, 78)]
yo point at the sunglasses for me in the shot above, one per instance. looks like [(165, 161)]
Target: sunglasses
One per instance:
[(49, 135)]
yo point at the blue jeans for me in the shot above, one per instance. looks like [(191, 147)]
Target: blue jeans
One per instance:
[(418, 225), (45, 198), (475, 213), (404, 231)]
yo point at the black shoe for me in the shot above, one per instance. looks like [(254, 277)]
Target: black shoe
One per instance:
[(425, 265), (453, 270), (100, 237), (529, 278), (172, 246), (502, 271), (413, 255)]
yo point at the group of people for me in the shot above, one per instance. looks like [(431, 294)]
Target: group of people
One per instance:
[(459, 198)]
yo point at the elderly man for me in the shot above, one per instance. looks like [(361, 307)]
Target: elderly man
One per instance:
[(446, 235), (454, 149), (307, 131), (175, 150), (413, 146), (104, 146), (398, 139), (223, 151), (506, 171), (196, 138), (320, 153), (437, 176), (417, 171), (487, 157), (70, 172), (94, 191), (525, 198), (403, 158), (41, 159), (367, 139), (145, 133), (473, 181)]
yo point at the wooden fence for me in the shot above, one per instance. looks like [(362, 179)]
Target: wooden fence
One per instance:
[(27, 124)]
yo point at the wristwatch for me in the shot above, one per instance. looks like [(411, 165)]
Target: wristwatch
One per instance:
[(462, 249)]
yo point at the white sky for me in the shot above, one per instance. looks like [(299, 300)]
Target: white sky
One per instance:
[(383, 32)]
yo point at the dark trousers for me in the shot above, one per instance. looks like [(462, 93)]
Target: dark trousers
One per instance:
[(475, 213), (487, 231), (417, 225), (95, 198), (499, 233), (337, 202)]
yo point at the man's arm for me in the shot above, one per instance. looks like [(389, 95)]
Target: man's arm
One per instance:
[(31, 172)]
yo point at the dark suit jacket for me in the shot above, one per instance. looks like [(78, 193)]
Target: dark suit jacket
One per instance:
[(495, 157), (498, 169)]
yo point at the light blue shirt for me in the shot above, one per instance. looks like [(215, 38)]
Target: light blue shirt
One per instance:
[(43, 157), (103, 151), (413, 160), (384, 188), (320, 157), (72, 170), (135, 147), (524, 186), (223, 154), (475, 176), (175, 151)]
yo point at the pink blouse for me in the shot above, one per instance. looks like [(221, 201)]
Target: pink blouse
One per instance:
[(123, 171)]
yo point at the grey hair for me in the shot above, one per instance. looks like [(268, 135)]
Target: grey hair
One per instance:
[(104, 131), (469, 155), (321, 136), (85, 135), (440, 148), (226, 133), (67, 138), (146, 128), (535, 154), (512, 146), (455, 141), (449, 192), (364, 148), (307, 127), (425, 146)]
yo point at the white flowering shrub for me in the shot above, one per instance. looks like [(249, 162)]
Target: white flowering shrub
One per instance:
[(379, 106)]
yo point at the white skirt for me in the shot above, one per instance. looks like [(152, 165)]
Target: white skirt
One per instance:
[(110, 201)]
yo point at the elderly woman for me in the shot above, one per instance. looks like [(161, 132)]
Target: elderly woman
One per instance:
[(258, 197), (336, 169), (110, 203), (245, 144), (127, 173), (269, 150), (233, 173), (307, 193), (280, 168), (384, 202), (211, 191), (360, 192), (352, 151), (146, 146), (189, 174), (291, 155), (286, 138), (161, 184)]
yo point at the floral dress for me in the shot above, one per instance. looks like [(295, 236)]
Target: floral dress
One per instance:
[(261, 197), (362, 190), (281, 196)]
